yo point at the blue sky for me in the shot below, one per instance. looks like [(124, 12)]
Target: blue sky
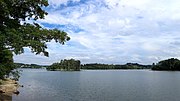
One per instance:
[(112, 31)]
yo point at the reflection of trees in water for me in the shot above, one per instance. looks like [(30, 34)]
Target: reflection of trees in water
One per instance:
[(5, 97)]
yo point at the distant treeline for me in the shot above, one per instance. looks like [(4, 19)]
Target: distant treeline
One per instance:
[(66, 65), (35, 66), (112, 66), (169, 64), (75, 65)]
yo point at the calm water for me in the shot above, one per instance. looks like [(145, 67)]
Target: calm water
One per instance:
[(101, 85)]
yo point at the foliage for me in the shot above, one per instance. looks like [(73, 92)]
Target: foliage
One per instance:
[(169, 64), (107, 66), (16, 33), (6, 62), (67, 65)]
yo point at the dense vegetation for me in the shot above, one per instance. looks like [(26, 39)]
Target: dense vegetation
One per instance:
[(169, 64), (6, 63), (66, 65), (107, 66), (16, 33)]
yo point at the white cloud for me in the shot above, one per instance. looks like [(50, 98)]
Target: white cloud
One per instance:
[(116, 31), (135, 3), (112, 3), (57, 3)]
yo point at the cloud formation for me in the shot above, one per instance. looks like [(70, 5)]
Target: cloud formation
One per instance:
[(112, 31)]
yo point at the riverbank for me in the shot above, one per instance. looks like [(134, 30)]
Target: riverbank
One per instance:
[(8, 87)]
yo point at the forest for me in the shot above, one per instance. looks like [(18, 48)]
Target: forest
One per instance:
[(66, 65), (75, 65), (171, 64), (112, 66)]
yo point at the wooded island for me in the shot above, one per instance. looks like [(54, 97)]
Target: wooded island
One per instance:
[(66, 65)]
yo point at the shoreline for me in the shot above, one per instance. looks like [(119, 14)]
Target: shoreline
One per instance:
[(8, 87)]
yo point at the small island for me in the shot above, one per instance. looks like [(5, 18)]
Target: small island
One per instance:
[(65, 65)]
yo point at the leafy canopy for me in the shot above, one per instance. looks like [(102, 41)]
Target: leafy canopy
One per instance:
[(16, 33)]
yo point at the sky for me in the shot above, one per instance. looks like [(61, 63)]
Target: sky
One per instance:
[(111, 31)]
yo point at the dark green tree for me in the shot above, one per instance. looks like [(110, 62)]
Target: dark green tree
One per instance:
[(169, 64), (66, 65), (6, 62), (16, 33), (112, 66)]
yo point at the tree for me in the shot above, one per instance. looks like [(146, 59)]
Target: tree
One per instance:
[(66, 65), (169, 64), (16, 33), (6, 62)]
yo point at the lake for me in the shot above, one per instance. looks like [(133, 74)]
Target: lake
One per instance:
[(99, 85)]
